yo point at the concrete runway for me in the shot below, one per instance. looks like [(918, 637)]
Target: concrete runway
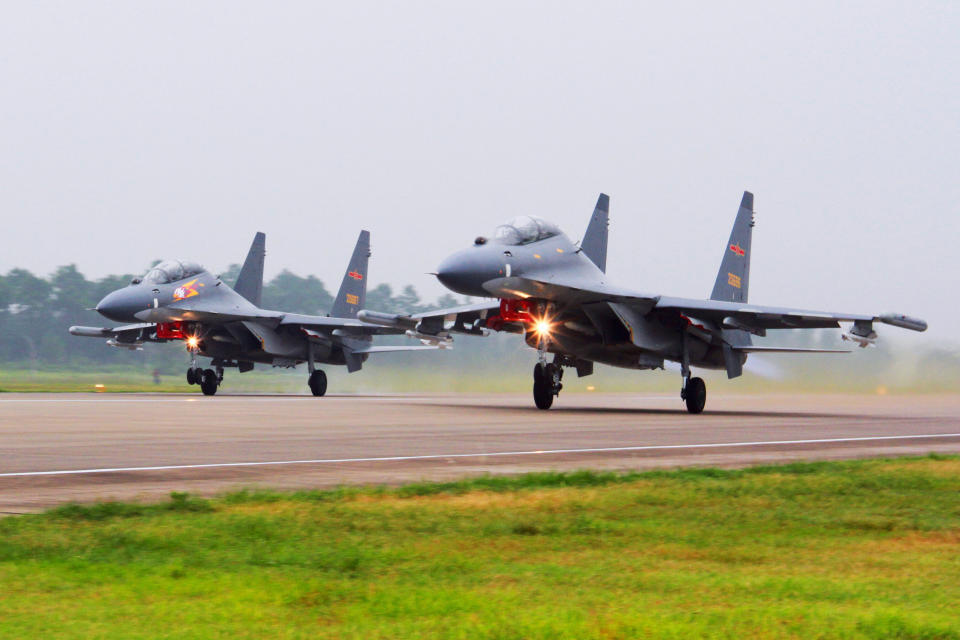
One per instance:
[(56, 448)]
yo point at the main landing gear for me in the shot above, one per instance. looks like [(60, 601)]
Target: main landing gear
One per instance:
[(208, 379), (694, 390), (694, 394), (317, 383), (318, 379)]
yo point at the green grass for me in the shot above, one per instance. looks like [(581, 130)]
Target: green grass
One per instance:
[(867, 549)]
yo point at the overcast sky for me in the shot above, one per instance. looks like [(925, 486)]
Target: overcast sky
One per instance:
[(132, 131)]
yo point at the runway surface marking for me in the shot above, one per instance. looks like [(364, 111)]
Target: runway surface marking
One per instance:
[(440, 456)]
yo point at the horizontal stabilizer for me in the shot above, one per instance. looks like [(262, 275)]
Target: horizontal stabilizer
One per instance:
[(755, 349)]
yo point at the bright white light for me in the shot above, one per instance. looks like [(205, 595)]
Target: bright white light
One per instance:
[(542, 327)]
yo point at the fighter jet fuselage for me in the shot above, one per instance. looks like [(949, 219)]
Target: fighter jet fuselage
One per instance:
[(558, 296), (181, 301)]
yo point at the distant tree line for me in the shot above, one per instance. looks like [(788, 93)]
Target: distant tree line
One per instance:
[(35, 313)]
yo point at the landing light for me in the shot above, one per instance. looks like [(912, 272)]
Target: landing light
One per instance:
[(542, 326), (192, 342)]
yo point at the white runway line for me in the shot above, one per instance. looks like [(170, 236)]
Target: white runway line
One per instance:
[(443, 456)]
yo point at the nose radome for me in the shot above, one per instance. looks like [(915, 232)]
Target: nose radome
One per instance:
[(117, 306), (451, 272), (462, 273)]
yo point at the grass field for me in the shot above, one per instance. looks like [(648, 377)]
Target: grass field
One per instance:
[(867, 549)]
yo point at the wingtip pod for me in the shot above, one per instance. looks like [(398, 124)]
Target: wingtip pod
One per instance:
[(904, 322)]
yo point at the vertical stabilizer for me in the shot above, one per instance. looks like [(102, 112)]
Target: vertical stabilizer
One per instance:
[(594, 244), (250, 281), (733, 280), (353, 289)]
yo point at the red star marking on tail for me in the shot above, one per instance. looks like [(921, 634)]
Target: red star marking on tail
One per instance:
[(737, 249)]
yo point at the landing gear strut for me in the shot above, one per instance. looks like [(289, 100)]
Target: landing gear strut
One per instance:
[(694, 390), (194, 372)]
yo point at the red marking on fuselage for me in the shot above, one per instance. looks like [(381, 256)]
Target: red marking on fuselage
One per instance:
[(511, 310)]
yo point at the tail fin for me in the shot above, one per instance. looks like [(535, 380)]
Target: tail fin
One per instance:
[(250, 281), (733, 280), (353, 289), (594, 244)]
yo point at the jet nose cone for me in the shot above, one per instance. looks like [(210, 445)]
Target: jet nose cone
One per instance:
[(117, 306), (464, 273)]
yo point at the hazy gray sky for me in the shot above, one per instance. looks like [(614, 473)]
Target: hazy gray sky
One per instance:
[(131, 131)]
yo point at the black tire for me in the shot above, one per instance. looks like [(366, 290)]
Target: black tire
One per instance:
[(696, 395), (191, 376), (543, 386), (539, 373), (209, 382), (317, 383), (542, 395)]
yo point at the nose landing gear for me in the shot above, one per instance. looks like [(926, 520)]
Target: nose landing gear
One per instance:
[(546, 384), (208, 379)]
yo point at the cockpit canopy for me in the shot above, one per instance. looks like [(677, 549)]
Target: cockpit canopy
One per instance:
[(171, 271), (524, 230)]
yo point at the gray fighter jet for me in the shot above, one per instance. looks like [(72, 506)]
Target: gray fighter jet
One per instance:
[(180, 301), (558, 296)]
